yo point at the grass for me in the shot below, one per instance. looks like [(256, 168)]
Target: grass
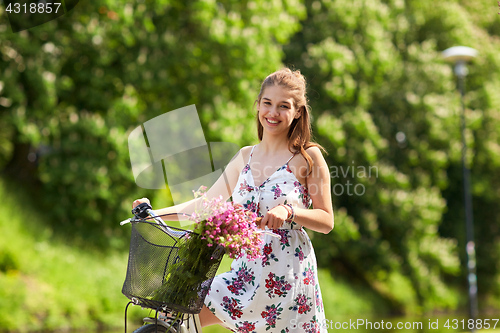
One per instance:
[(48, 284)]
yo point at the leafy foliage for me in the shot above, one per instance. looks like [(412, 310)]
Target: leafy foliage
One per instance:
[(75, 87)]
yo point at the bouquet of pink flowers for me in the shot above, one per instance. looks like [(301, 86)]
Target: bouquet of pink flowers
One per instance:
[(229, 225), (218, 224)]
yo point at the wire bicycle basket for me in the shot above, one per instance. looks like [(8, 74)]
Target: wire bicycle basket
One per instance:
[(169, 267)]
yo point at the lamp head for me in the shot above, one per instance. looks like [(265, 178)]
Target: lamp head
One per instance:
[(459, 54)]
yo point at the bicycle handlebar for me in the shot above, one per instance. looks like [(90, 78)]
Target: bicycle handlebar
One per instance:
[(144, 210)]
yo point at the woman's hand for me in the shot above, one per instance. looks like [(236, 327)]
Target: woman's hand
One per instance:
[(139, 201), (275, 217)]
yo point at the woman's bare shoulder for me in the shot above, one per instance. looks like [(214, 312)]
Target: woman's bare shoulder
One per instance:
[(244, 153), (241, 157), (315, 152), (246, 150)]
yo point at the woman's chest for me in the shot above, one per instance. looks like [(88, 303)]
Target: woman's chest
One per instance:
[(280, 188), (261, 172)]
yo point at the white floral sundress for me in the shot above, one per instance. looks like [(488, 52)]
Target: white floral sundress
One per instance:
[(280, 292)]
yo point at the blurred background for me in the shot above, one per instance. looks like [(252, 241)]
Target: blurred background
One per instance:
[(384, 102)]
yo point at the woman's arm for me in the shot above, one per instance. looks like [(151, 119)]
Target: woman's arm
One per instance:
[(222, 187), (320, 218)]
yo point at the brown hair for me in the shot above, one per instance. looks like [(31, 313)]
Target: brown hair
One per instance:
[(299, 134)]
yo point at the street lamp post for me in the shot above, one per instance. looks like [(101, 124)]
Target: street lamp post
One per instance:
[(459, 55)]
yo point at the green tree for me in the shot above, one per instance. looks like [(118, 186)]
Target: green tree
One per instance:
[(74, 88)]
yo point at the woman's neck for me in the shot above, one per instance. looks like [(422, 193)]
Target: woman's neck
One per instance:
[(273, 145)]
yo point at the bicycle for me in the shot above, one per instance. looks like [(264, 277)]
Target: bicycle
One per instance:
[(153, 250)]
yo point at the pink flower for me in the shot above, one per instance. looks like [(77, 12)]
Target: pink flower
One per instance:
[(230, 225)]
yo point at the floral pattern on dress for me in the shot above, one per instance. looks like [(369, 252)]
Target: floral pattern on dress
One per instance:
[(285, 235), (300, 254), (236, 287), (271, 315), (277, 191), (244, 276), (268, 255), (232, 306), (251, 205), (265, 295), (303, 193), (284, 167), (302, 304), (245, 169), (309, 275), (277, 286), (312, 326), (246, 327), (244, 188), (319, 300), (210, 307)]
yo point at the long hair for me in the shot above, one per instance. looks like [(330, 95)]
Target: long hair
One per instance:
[(299, 134)]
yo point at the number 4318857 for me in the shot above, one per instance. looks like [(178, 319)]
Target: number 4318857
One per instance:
[(471, 324), (33, 8)]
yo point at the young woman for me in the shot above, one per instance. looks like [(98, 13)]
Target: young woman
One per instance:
[(285, 180)]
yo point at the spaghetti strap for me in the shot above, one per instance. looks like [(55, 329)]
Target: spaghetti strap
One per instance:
[(250, 157), (290, 157)]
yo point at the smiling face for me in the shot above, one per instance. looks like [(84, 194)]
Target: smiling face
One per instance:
[(277, 110)]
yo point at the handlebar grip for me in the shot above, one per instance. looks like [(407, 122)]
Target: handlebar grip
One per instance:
[(141, 210)]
